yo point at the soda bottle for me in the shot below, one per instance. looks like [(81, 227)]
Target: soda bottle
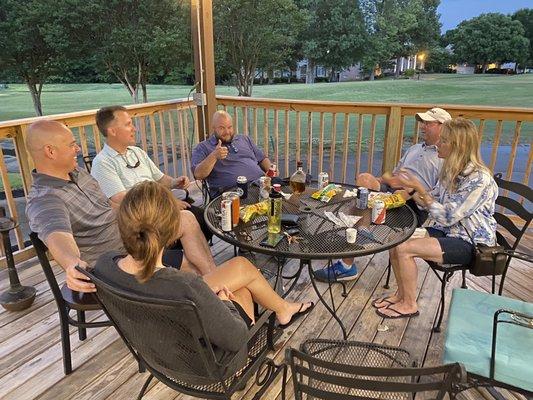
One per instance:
[(297, 180), (274, 212)]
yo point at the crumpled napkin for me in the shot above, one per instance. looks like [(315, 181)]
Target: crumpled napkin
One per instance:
[(350, 193), (343, 220)]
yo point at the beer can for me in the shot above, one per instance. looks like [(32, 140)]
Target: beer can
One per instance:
[(264, 187), (242, 183), (378, 212), (225, 215), (323, 180), (272, 170), (362, 198)]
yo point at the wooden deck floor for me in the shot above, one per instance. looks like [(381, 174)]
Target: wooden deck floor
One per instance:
[(30, 350)]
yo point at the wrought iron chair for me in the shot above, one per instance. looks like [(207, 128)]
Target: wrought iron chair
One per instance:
[(492, 336), (88, 161), (335, 369), (66, 301), (169, 339), (506, 205)]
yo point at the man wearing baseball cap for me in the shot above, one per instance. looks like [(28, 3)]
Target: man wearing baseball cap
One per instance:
[(421, 160)]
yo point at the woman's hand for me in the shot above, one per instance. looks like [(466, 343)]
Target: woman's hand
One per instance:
[(224, 293), (408, 180)]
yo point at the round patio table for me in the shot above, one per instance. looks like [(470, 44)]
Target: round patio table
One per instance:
[(318, 237)]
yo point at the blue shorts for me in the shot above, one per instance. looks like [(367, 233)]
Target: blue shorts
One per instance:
[(454, 250)]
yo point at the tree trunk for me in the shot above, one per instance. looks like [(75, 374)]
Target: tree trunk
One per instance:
[(310, 72), (270, 74), (398, 67), (484, 68), (372, 74), (145, 93), (35, 91), (290, 76)]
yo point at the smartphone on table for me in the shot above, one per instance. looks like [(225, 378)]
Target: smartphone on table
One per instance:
[(272, 240)]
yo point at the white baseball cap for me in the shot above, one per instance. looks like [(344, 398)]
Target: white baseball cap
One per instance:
[(434, 114)]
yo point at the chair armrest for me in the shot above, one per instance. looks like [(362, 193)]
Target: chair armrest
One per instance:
[(516, 254), (517, 318)]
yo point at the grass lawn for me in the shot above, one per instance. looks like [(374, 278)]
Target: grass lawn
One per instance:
[(490, 90)]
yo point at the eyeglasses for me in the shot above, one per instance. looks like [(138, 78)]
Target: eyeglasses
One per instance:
[(128, 164)]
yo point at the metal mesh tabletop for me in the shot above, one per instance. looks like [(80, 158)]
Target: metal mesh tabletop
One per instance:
[(320, 238)]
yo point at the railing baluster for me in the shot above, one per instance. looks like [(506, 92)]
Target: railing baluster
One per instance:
[(163, 141), (255, 124), (480, 129), (96, 136), (359, 145), (400, 140), (173, 142), (309, 141), (332, 149), (495, 144), (345, 146), (153, 136), (371, 143), (517, 128), (528, 169), (244, 111), (298, 136), (182, 142), (287, 143), (144, 141), (83, 141), (236, 119), (276, 137), (265, 132), (321, 144), (417, 129)]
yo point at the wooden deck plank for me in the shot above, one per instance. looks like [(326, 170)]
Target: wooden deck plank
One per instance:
[(105, 369)]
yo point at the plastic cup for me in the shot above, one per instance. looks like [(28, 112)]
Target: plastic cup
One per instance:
[(351, 235)]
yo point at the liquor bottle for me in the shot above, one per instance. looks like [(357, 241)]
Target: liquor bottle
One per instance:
[(297, 180), (274, 212)]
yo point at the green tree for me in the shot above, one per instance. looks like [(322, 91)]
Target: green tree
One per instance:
[(334, 36), (525, 16), (488, 38), (250, 34), (24, 50), (127, 40)]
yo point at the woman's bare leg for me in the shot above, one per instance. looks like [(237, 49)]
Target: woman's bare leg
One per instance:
[(426, 248), (398, 296), (239, 273), (244, 298)]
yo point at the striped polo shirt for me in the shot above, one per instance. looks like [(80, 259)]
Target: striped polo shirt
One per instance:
[(76, 206)]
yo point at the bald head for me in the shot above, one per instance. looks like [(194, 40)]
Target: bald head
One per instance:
[(222, 126), (52, 146)]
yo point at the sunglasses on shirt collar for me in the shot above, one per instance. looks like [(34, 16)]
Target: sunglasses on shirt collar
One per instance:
[(128, 165)]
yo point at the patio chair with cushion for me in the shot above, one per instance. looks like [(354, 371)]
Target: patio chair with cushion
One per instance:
[(348, 370), (169, 339), (513, 220), (492, 336), (66, 301)]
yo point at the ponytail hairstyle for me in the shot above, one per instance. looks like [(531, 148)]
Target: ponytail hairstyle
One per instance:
[(148, 221), (463, 137)]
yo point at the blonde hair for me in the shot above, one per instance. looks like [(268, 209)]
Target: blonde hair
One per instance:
[(148, 221), (463, 138)]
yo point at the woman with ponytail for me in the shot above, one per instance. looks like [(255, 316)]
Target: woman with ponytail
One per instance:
[(147, 224), (460, 211)]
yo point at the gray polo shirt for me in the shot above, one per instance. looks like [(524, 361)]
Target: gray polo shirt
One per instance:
[(111, 170), (76, 206), (423, 161)]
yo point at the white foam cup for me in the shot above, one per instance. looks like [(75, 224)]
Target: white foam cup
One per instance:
[(351, 235)]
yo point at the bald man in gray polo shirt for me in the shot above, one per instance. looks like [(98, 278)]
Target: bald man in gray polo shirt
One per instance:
[(71, 215)]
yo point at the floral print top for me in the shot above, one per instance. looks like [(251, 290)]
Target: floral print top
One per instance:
[(472, 205)]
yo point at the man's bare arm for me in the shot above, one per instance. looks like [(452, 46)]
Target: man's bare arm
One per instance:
[(67, 254), (265, 164), (116, 199), (195, 247), (203, 169)]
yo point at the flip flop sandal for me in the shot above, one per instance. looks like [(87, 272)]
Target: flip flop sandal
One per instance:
[(399, 314), (382, 300), (297, 315)]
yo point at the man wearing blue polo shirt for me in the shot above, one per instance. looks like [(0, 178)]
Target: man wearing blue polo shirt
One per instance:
[(224, 156)]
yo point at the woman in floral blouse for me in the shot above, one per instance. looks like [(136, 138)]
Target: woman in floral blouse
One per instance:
[(460, 206)]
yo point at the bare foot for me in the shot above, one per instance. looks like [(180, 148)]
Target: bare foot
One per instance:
[(386, 301), (292, 308)]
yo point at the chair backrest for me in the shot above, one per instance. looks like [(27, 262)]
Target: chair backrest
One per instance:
[(88, 161), (508, 204), (166, 335), (331, 370), (40, 250)]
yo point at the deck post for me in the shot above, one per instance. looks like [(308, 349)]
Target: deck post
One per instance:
[(204, 62), (392, 139)]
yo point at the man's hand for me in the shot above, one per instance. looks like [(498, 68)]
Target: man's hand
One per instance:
[(181, 183), (77, 281), (182, 205), (220, 152)]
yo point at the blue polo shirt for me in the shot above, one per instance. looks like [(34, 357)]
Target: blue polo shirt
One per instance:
[(243, 159)]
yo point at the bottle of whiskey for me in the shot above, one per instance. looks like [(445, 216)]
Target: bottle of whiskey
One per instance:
[(297, 180)]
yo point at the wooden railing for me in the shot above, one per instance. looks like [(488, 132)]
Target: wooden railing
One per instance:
[(166, 131), (340, 138)]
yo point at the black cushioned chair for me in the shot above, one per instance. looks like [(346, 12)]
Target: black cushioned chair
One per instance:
[(512, 217), (66, 301), (168, 338), (347, 370)]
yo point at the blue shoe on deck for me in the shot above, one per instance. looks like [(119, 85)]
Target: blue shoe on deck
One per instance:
[(337, 272)]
